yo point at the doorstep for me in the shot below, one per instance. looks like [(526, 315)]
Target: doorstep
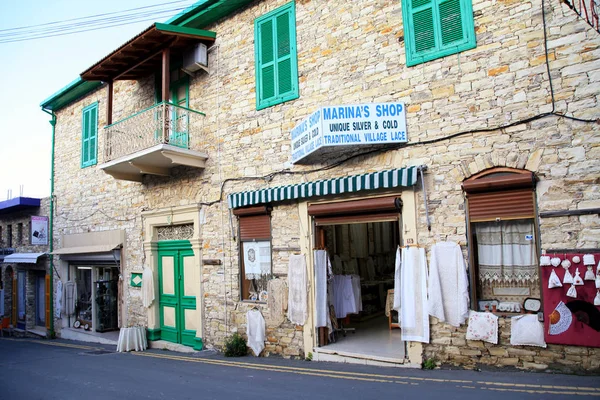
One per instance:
[(38, 331), (90, 336), (164, 345), (322, 354)]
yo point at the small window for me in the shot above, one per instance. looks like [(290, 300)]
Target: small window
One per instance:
[(502, 239), (89, 135), (437, 28), (255, 252), (275, 57), (20, 234), (9, 238)]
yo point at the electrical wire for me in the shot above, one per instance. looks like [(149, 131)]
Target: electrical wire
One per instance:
[(93, 16), (89, 23), (269, 177)]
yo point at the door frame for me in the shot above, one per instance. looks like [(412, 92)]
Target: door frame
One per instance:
[(307, 240), (190, 214)]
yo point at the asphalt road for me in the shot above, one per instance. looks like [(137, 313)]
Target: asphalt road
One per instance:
[(58, 369)]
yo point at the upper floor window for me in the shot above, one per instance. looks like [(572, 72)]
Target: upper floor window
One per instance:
[(275, 57), (437, 28), (20, 233), (502, 237), (9, 238), (89, 135)]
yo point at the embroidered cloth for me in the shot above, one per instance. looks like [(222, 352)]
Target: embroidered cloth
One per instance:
[(483, 326), (297, 289), (448, 288), (414, 318), (255, 329)]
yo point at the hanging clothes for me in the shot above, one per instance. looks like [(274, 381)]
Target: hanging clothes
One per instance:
[(147, 287), (414, 320), (255, 329), (356, 292), (322, 270), (59, 299), (448, 284), (70, 289), (297, 298), (397, 281), (277, 301), (346, 300)]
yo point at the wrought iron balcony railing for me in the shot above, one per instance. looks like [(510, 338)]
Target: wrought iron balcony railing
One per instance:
[(163, 123)]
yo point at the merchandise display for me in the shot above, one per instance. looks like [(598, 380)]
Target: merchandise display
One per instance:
[(570, 311)]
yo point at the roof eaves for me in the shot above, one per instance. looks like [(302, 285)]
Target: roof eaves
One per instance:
[(69, 93)]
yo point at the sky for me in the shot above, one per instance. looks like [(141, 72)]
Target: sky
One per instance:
[(33, 70)]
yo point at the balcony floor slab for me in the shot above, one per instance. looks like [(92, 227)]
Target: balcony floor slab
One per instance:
[(155, 160)]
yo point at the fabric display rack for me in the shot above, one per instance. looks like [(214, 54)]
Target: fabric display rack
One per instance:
[(571, 293)]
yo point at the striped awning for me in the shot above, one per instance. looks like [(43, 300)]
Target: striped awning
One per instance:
[(348, 184)]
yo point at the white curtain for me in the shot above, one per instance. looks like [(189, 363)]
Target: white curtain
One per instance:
[(506, 252)]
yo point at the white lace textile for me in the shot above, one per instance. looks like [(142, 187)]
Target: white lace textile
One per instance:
[(505, 254), (526, 330), (448, 288), (255, 329), (297, 289), (276, 302), (483, 326), (257, 259), (322, 268), (147, 287), (560, 319), (414, 318)]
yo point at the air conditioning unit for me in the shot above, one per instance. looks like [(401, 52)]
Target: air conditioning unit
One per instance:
[(195, 59)]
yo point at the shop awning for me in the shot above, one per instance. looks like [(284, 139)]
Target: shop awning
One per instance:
[(101, 248), (22, 258), (348, 184)]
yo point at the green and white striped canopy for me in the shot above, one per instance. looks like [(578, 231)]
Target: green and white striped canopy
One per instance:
[(349, 184)]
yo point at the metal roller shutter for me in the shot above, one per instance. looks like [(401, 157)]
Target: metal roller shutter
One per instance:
[(506, 204)]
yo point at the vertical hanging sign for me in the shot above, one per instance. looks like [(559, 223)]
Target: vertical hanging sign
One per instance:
[(39, 230)]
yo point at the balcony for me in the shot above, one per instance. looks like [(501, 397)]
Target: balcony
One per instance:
[(153, 141)]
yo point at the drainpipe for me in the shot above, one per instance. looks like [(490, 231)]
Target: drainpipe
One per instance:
[(51, 334)]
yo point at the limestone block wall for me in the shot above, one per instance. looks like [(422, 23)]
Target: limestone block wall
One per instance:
[(464, 115)]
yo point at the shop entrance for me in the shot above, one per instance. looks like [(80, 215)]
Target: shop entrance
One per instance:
[(361, 243), (177, 294), (96, 305)]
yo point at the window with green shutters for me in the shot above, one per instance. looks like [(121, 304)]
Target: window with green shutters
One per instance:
[(89, 135), (275, 57), (437, 28)]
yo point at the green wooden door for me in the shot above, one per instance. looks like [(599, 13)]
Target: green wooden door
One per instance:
[(179, 116), (177, 292)]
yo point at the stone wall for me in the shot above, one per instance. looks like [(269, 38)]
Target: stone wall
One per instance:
[(22, 244), (349, 53)]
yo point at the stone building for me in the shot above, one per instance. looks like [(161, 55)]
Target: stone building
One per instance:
[(278, 128), (24, 264)]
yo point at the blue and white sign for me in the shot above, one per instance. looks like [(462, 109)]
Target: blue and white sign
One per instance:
[(349, 125)]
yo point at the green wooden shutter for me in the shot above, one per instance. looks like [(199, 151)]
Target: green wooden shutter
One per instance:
[(284, 58), (89, 135), (276, 58), (451, 22), (437, 28), (267, 58)]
